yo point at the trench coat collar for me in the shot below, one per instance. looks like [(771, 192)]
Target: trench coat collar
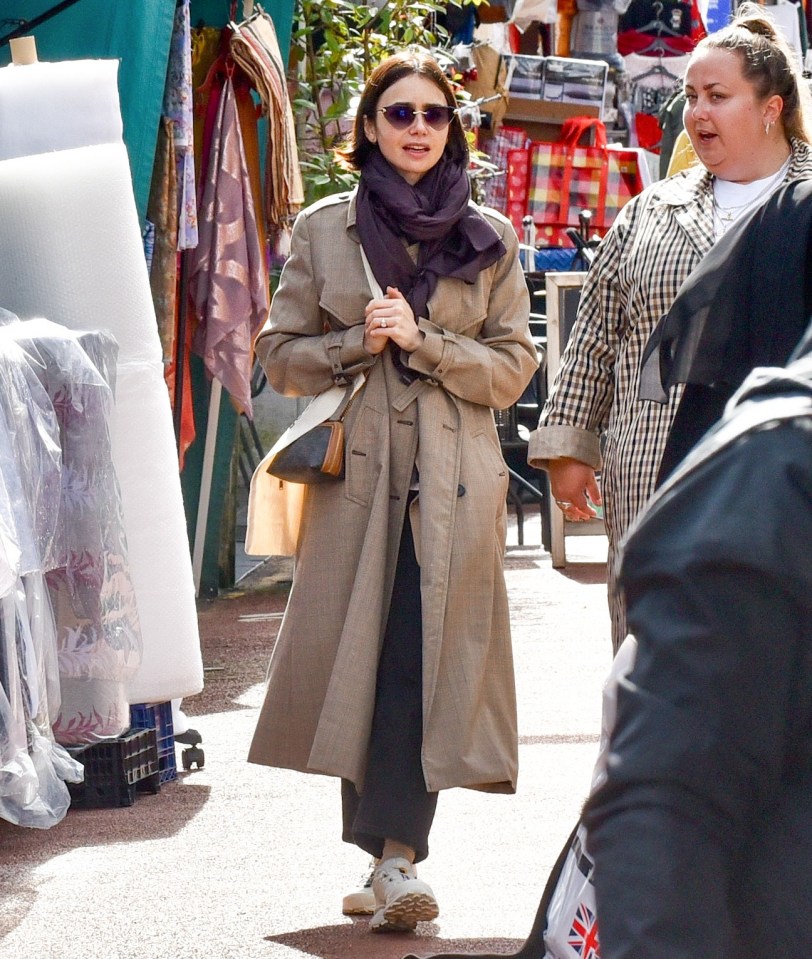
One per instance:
[(690, 195), (352, 210)]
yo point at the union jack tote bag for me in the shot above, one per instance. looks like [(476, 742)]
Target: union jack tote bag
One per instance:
[(572, 921)]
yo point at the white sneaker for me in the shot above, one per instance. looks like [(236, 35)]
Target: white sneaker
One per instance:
[(401, 899), (362, 901)]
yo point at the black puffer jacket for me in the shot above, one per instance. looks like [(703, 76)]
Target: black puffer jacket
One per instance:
[(746, 305), (702, 834)]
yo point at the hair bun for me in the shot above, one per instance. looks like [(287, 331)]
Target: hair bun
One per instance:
[(750, 17), (760, 27)]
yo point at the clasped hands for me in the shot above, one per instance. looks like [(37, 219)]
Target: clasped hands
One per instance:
[(390, 319), (573, 485)]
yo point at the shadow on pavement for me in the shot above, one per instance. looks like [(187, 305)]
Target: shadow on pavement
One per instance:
[(589, 574), (353, 940)]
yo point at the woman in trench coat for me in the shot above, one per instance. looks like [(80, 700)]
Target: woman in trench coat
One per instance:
[(747, 114), (393, 668)]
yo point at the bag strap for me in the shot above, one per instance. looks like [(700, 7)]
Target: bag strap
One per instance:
[(356, 384), (374, 285), (349, 395), (575, 127)]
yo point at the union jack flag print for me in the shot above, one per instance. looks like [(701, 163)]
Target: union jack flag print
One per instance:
[(583, 937)]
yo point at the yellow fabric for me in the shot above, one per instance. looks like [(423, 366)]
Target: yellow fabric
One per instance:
[(682, 156)]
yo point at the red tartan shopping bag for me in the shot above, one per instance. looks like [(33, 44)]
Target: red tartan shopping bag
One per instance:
[(518, 174), (503, 141), (566, 177)]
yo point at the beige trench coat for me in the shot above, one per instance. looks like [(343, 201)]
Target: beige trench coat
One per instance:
[(478, 355), (657, 240)]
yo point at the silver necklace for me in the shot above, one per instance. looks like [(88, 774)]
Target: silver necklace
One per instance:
[(727, 214)]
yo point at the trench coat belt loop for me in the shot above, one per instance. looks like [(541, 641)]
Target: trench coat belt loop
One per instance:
[(333, 342), (409, 395)]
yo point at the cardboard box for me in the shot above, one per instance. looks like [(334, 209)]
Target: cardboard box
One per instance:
[(542, 119)]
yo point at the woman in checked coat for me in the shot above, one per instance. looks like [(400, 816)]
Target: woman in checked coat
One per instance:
[(393, 667), (746, 115)]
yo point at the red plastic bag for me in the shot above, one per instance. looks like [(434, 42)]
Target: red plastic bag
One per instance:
[(518, 171)]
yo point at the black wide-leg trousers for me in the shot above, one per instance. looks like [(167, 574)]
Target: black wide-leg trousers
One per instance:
[(394, 803)]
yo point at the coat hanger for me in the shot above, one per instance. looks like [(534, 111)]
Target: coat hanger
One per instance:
[(659, 69), (658, 24), (256, 12), (244, 9), (26, 26), (659, 45)]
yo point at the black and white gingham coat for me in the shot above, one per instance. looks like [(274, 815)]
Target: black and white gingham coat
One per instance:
[(658, 238)]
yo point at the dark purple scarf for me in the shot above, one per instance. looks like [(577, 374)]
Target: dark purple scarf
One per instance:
[(455, 240)]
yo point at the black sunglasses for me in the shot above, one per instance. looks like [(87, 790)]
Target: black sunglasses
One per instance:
[(401, 116)]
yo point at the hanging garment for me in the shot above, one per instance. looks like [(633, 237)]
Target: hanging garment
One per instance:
[(162, 212), (255, 47), (228, 283), (206, 44), (178, 106)]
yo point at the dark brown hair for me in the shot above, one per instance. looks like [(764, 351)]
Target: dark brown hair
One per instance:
[(407, 63), (768, 63)]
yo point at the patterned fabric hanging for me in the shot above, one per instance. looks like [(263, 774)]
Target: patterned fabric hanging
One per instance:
[(229, 283), (178, 105), (255, 48), (162, 213)]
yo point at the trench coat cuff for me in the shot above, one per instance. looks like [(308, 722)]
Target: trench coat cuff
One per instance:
[(434, 356), (554, 442), (347, 354)]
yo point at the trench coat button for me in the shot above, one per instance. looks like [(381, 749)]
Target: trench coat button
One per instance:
[(460, 490)]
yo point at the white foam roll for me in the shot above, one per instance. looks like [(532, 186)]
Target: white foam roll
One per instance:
[(157, 541), (58, 106), (70, 250), (70, 246)]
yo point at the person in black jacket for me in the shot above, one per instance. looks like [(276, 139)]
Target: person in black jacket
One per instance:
[(746, 305), (702, 832)]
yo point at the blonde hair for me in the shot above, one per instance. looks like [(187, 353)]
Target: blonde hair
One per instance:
[(769, 64)]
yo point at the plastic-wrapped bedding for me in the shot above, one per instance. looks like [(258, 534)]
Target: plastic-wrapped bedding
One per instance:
[(32, 765), (99, 634)]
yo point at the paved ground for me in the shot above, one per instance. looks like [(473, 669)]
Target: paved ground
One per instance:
[(245, 862)]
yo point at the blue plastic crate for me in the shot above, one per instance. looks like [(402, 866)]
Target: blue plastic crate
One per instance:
[(158, 716), (552, 259)]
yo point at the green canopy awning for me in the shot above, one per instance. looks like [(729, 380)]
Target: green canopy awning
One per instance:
[(137, 33)]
